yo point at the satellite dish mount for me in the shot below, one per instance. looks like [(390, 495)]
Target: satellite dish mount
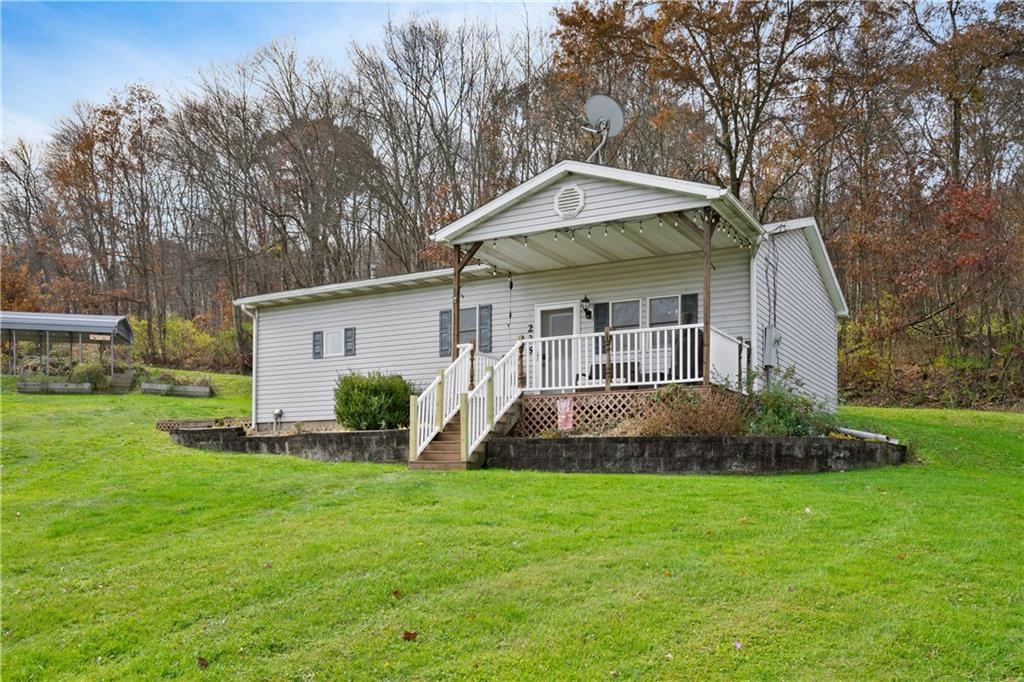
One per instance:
[(604, 117)]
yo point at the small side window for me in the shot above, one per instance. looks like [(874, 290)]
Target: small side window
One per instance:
[(350, 340), (318, 345)]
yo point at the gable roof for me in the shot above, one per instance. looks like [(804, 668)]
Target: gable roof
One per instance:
[(721, 199), (815, 242)]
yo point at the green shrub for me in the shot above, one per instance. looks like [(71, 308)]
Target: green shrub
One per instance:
[(91, 373), (781, 410), (372, 401)]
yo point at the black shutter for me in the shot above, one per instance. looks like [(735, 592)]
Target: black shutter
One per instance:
[(600, 316), (318, 345), (350, 340), (483, 330), (444, 333), (600, 322), (688, 309)]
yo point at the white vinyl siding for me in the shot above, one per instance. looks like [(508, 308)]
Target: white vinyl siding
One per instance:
[(804, 316), (605, 200), (398, 331)]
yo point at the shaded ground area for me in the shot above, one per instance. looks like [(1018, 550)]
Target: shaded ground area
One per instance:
[(127, 556)]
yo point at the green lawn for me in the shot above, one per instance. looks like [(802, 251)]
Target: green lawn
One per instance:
[(125, 556)]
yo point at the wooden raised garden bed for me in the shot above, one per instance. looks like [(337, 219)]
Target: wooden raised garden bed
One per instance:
[(179, 391), (52, 387)]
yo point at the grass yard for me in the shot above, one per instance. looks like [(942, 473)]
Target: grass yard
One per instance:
[(125, 556)]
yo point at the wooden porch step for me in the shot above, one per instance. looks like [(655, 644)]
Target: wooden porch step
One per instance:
[(440, 466)]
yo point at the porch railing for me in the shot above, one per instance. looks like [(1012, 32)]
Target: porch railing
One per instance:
[(630, 357), (495, 392)]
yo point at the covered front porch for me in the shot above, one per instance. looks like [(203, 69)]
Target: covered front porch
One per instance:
[(572, 216), (577, 214)]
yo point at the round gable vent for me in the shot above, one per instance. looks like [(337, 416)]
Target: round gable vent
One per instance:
[(569, 201)]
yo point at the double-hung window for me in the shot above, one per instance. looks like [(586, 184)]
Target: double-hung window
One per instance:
[(474, 327), (625, 314), (666, 311), (334, 343)]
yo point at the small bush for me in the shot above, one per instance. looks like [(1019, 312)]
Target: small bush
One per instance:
[(372, 401), (780, 410), (678, 411), (91, 373)]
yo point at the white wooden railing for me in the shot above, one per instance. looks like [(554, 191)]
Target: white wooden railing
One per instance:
[(483, 388), (432, 409), (726, 359), (496, 391), (629, 357)]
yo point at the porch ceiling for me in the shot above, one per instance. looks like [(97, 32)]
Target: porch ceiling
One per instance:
[(604, 242)]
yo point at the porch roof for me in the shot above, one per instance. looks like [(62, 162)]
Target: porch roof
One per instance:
[(578, 213)]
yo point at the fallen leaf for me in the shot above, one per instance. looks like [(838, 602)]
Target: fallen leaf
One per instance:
[(201, 662), (269, 564), (668, 656), (807, 510), (409, 635), (396, 593), (668, 574)]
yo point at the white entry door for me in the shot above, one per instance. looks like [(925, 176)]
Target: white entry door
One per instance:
[(557, 323)]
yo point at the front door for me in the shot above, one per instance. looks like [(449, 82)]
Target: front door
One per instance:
[(557, 324)]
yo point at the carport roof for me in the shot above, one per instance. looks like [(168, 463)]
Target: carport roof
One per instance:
[(116, 325)]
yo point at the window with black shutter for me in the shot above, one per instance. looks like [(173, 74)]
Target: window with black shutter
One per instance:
[(318, 345), (350, 340), (483, 337), (689, 309), (444, 333)]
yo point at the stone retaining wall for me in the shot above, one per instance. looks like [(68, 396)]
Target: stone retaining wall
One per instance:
[(708, 455), (390, 446)]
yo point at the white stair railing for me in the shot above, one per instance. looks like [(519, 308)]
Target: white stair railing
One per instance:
[(494, 394), (431, 410)]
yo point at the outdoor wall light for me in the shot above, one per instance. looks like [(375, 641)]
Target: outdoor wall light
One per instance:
[(585, 303)]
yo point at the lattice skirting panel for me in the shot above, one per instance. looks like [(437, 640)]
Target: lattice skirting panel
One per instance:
[(591, 413)]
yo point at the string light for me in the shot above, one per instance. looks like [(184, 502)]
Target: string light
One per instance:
[(556, 235), (605, 230), (572, 236), (526, 241), (588, 233)]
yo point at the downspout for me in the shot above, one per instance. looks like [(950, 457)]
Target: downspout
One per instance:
[(255, 358)]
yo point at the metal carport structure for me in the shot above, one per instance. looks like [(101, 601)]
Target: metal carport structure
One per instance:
[(53, 328)]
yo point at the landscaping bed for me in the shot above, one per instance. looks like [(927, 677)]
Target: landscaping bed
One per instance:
[(383, 446)]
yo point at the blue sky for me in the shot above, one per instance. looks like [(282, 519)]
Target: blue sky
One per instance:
[(56, 53)]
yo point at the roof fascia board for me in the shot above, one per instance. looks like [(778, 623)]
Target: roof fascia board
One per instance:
[(359, 287)]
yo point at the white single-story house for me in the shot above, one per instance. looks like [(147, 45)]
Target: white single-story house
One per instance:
[(587, 278)]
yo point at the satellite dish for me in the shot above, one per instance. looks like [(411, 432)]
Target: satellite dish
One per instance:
[(603, 108), (606, 119)]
